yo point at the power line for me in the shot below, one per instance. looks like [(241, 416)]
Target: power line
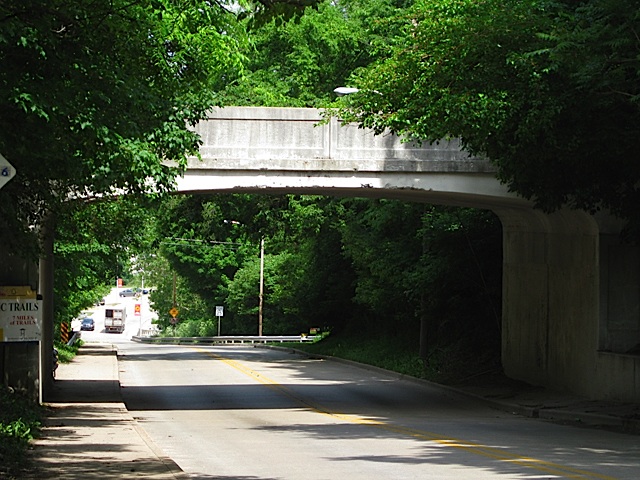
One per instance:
[(183, 241)]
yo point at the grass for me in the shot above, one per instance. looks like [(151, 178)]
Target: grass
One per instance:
[(445, 365), (67, 352), (381, 353)]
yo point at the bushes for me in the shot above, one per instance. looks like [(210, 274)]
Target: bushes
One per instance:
[(447, 364), (20, 420), (390, 354), (67, 352)]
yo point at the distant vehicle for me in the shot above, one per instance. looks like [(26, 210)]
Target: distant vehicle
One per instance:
[(127, 293), (87, 324), (114, 319)]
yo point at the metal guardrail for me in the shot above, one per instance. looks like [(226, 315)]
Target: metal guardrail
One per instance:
[(148, 332), (74, 338), (227, 339)]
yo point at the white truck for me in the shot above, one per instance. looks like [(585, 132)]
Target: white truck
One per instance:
[(114, 319)]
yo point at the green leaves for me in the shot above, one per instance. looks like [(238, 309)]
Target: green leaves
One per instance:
[(332, 262), (97, 96), (95, 243), (299, 63), (547, 90), (20, 421)]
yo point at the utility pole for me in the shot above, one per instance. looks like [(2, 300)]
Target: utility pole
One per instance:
[(174, 289), (261, 298)]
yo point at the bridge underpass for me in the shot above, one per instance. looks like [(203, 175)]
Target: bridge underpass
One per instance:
[(571, 289)]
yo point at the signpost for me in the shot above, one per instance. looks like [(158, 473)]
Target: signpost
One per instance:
[(138, 313), (7, 172), (219, 314), (174, 313)]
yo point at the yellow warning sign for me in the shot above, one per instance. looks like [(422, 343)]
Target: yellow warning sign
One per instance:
[(173, 312)]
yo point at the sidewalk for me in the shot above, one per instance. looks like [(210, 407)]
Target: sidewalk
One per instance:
[(537, 402), (88, 433)]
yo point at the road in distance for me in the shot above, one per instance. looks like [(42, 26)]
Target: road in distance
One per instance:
[(238, 412)]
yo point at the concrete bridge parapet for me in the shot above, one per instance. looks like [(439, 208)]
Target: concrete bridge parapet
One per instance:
[(290, 150)]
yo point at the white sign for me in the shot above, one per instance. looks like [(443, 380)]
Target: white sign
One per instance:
[(219, 311), (20, 319), (7, 172)]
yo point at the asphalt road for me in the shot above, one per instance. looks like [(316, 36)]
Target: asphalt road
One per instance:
[(237, 412)]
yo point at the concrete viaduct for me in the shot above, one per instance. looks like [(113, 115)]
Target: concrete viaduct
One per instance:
[(571, 289)]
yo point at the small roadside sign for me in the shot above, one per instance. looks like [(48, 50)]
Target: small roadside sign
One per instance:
[(20, 314), (136, 310), (219, 314), (7, 172), (173, 312)]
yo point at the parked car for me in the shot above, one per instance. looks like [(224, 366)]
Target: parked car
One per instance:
[(87, 324), (127, 293)]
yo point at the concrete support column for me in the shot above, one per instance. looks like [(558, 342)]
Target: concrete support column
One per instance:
[(550, 298)]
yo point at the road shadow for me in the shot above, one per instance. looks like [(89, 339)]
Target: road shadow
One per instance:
[(85, 391)]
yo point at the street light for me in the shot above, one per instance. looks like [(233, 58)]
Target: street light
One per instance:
[(342, 91)]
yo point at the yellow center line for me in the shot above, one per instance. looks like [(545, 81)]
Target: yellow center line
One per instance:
[(470, 447)]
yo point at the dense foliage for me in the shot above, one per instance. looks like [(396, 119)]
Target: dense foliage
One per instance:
[(95, 244), (299, 63), (549, 91), (96, 96), (20, 419), (417, 274)]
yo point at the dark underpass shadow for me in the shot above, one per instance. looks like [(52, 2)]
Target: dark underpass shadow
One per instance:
[(85, 391)]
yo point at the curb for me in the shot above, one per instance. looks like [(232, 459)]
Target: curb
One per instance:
[(171, 466)]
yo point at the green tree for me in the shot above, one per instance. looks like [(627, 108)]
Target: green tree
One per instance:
[(427, 270), (213, 248), (546, 90), (299, 63), (95, 242), (281, 314), (96, 96)]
